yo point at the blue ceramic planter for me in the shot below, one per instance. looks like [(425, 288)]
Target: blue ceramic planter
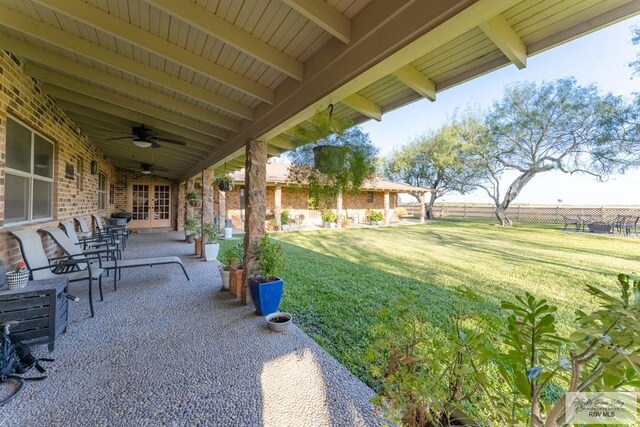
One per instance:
[(266, 296)]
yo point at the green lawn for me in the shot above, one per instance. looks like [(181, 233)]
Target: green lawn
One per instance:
[(337, 281)]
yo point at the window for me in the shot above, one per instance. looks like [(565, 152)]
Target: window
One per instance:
[(242, 198), (102, 191), (79, 173), (29, 175), (369, 196)]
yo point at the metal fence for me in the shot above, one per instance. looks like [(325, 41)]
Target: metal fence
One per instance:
[(529, 213)]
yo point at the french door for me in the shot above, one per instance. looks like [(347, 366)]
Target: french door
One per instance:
[(150, 205)]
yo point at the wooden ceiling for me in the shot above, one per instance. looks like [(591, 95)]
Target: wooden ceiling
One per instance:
[(216, 73)]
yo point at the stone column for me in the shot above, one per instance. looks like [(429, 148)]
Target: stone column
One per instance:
[(422, 209), (339, 209), (278, 203), (387, 210), (190, 209), (255, 209), (182, 202), (207, 197)]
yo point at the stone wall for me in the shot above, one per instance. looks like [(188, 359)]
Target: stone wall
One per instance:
[(22, 98), (296, 199)]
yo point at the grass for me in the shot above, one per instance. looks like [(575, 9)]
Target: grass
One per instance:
[(338, 281)]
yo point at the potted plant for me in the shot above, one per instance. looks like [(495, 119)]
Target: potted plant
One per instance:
[(328, 216), (266, 286), (236, 272), (19, 276), (212, 246), (374, 217), (345, 222), (190, 229), (284, 219), (228, 257), (224, 182), (272, 225), (192, 198)]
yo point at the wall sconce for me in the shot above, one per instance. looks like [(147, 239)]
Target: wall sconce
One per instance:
[(94, 167)]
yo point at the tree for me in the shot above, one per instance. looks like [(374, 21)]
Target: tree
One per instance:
[(557, 125), (436, 161)]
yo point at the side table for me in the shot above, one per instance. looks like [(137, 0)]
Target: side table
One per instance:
[(41, 308)]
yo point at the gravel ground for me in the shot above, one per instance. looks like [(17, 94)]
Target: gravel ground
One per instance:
[(164, 351)]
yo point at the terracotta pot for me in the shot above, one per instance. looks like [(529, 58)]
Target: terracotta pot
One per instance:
[(198, 246), (235, 280)]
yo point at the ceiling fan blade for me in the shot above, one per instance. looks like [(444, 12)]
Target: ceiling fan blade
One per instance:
[(172, 141), (119, 138), (154, 144), (157, 168), (91, 128)]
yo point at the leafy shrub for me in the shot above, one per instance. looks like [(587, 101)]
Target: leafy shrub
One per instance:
[(375, 215), (328, 215), (270, 259)]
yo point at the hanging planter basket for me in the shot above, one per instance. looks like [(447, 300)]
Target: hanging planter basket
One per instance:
[(328, 158), (225, 186)]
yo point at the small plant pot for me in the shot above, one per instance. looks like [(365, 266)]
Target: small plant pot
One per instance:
[(326, 224), (228, 233), (266, 296), (225, 276), (279, 321), (235, 280), (198, 247), (374, 222), (211, 251), (17, 280)]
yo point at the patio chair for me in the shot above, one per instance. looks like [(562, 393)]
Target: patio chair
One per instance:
[(68, 247), (567, 220), (86, 231), (88, 243), (117, 233), (40, 267)]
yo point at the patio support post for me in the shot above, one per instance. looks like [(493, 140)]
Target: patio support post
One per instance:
[(207, 197), (278, 203), (256, 207), (182, 201), (387, 210), (222, 208), (339, 209), (422, 208), (190, 188)]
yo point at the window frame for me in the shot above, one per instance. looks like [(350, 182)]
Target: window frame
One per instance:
[(369, 196), (102, 192), (31, 176)]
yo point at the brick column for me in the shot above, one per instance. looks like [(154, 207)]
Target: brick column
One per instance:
[(339, 209), (256, 207), (182, 201), (190, 209), (278, 203), (387, 210), (207, 197), (422, 209)]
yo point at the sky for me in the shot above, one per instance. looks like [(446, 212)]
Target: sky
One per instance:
[(601, 57)]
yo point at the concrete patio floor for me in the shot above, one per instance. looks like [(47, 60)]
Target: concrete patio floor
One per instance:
[(164, 351)]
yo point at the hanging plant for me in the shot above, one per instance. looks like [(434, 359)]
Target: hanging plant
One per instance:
[(331, 158), (192, 198), (224, 182)]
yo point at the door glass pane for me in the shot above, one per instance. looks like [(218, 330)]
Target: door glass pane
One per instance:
[(140, 199), (161, 198), (42, 157), (18, 146), (41, 199), (16, 205)]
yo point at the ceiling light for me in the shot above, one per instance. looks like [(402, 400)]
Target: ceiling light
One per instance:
[(145, 171), (141, 143)]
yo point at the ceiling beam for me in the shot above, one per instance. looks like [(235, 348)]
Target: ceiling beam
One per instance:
[(363, 106), (323, 15), (84, 102), (281, 143), (108, 23), (165, 153), (415, 80), (69, 83), (78, 69), (27, 25), (215, 26), (503, 36)]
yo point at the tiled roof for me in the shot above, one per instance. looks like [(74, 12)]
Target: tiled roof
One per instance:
[(278, 173)]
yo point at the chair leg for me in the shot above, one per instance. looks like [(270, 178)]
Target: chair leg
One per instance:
[(100, 287), (91, 296), (185, 272)]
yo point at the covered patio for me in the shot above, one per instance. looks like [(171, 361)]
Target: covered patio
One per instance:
[(164, 351)]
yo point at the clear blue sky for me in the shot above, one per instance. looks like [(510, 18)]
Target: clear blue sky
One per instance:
[(601, 57)]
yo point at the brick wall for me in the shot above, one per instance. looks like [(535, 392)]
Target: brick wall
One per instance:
[(22, 98), (297, 199)]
